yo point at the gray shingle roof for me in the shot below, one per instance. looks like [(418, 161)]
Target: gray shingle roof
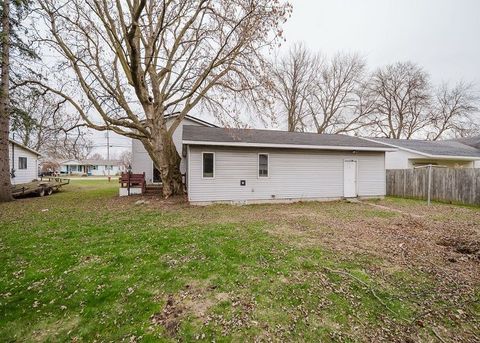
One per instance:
[(228, 136), (471, 141), (440, 148)]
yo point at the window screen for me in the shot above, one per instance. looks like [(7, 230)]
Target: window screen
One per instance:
[(263, 165), (22, 163), (208, 164)]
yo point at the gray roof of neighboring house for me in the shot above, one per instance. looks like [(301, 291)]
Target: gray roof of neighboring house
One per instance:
[(470, 141), (436, 148), (24, 147), (271, 138)]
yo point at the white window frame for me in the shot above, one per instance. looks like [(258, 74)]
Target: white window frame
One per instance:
[(214, 171), (26, 163), (258, 165)]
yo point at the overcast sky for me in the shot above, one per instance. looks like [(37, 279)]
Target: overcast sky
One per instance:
[(443, 36)]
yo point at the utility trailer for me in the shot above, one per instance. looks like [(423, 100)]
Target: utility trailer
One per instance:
[(42, 187)]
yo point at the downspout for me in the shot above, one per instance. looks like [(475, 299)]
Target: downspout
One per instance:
[(12, 173)]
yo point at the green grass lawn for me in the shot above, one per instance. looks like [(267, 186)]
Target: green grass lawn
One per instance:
[(85, 265)]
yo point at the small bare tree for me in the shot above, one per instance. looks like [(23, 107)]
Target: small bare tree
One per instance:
[(453, 110), (126, 158), (402, 95), (44, 123), (293, 80), (338, 103), (134, 62)]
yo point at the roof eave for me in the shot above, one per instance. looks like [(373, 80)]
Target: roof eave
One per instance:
[(287, 146), (25, 147)]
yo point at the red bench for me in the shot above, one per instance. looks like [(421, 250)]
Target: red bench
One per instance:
[(127, 180)]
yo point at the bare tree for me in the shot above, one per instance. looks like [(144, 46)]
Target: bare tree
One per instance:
[(293, 79), (76, 147), (44, 123), (338, 103), (453, 110), (96, 156), (402, 95), (126, 158), (136, 61)]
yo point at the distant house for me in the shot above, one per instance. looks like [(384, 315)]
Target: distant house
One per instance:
[(141, 161), (23, 163), (412, 153), (91, 167), (473, 142)]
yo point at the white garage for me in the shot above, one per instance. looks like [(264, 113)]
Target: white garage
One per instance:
[(254, 166)]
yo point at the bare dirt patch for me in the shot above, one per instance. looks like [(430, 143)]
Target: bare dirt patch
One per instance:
[(470, 248), (170, 316), (194, 300)]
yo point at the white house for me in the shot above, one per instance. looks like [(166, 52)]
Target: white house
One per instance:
[(473, 142), (91, 167), (412, 153), (141, 161), (255, 166), (23, 163)]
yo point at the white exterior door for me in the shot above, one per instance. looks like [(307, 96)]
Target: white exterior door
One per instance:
[(350, 178)]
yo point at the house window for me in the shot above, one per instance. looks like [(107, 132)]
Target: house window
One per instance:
[(262, 165), (208, 164), (22, 163)]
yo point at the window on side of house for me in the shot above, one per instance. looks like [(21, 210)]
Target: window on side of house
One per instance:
[(208, 162), (262, 165), (22, 163)]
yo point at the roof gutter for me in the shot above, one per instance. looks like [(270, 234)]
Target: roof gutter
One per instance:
[(286, 146)]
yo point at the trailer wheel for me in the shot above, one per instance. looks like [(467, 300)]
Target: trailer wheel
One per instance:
[(41, 192), (49, 191)]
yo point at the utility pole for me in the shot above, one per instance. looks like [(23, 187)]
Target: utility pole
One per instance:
[(108, 155)]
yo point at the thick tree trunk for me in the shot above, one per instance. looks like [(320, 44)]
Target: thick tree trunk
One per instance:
[(166, 159), (5, 185)]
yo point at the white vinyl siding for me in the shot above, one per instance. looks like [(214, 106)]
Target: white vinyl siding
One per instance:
[(293, 174)]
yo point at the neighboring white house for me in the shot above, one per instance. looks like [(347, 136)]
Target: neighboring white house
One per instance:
[(141, 161), (473, 142), (23, 163), (254, 166), (412, 153), (91, 167)]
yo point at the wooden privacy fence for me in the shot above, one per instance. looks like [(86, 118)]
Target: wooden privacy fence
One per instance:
[(447, 184)]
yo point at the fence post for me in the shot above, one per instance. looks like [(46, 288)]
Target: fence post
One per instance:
[(429, 183)]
